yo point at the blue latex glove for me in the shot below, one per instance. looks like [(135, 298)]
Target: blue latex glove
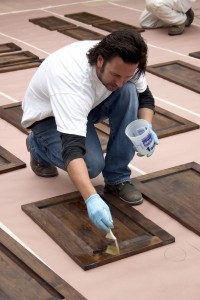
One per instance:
[(99, 212), (155, 138)]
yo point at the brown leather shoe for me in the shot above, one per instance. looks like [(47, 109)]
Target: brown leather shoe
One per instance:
[(43, 170), (127, 192), (176, 29)]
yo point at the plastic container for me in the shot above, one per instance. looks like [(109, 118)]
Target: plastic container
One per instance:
[(139, 133)]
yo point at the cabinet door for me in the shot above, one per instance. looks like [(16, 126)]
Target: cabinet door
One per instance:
[(179, 72), (52, 23), (12, 113), (18, 60), (9, 47), (64, 218), (9, 162), (25, 277), (176, 191), (165, 123)]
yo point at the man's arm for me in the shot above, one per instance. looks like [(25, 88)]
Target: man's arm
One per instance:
[(146, 111), (78, 173), (73, 150), (146, 114)]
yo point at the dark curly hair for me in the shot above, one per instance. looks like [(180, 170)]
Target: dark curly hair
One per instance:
[(127, 44)]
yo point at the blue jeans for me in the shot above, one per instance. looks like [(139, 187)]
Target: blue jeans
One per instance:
[(121, 108)]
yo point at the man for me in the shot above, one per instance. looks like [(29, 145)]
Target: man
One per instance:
[(75, 87), (175, 14)]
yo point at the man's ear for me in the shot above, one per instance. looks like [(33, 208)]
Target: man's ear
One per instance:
[(100, 61)]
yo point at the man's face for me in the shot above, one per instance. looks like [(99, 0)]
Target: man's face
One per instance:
[(114, 74)]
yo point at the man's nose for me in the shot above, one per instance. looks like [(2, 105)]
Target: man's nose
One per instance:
[(120, 82)]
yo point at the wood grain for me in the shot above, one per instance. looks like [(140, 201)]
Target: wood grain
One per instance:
[(24, 277), (12, 113), (176, 191), (178, 72), (9, 162), (165, 123), (81, 33), (64, 218), (52, 23), (9, 47), (86, 18), (112, 26)]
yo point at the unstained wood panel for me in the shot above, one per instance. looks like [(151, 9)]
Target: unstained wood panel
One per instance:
[(25, 277), (65, 219), (176, 191)]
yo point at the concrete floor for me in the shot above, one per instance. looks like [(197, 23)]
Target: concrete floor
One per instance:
[(169, 272)]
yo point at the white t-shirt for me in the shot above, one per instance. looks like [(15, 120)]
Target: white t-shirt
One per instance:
[(66, 86)]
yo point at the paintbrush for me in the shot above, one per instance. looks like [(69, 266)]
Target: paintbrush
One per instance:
[(112, 248)]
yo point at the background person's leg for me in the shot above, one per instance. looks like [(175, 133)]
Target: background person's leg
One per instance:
[(148, 20)]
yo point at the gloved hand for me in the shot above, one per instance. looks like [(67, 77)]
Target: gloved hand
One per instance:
[(99, 212), (156, 142)]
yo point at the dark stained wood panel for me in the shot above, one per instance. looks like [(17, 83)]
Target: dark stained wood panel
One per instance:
[(178, 72), (9, 162), (195, 54), (17, 58), (52, 23), (176, 191), (9, 47), (18, 61), (165, 124), (25, 277), (12, 113), (64, 218), (112, 26), (86, 18), (81, 33)]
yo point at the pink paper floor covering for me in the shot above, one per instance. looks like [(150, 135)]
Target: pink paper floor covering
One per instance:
[(169, 272)]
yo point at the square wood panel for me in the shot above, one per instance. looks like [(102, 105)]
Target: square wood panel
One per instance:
[(81, 33), (179, 72), (24, 277), (86, 18), (176, 191), (195, 54), (112, 26), (18, 61), (12, 113), (9, 162), (65, 219), (165, 124), (9, 47), (52, 23)]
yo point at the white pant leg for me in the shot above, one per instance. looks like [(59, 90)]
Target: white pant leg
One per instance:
[(148, 20), (162, 13)]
